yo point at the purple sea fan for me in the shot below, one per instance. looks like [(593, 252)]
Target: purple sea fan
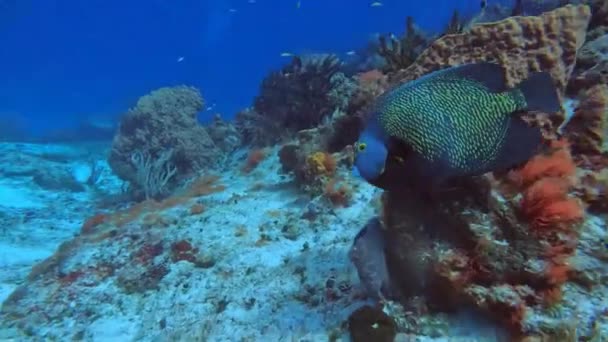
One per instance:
[(367, 254)]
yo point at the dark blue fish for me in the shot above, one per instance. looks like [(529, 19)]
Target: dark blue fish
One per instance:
[(367, 254)]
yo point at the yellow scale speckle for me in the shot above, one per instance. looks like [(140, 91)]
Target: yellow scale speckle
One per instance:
[(454, 119)]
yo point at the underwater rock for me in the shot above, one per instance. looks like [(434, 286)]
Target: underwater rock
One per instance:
[(521, 45), (587, 131), (592, 65), (57, 179), (371, 324), (162, 121), (593, 52), (599, 18)]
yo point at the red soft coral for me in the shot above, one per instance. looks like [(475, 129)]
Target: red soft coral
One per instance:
[(559, 214), (557, 163), (547, 206), (541, 193)]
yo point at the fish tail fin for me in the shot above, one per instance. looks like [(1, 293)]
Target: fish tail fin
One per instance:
[(521, 143), (540, 93)]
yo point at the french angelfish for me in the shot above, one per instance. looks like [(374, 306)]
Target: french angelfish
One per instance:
[(456, 122)]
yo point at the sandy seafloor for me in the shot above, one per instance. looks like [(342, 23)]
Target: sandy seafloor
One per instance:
[(266, 271)]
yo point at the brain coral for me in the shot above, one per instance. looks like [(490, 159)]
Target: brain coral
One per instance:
[(548, 42), (164, 120)]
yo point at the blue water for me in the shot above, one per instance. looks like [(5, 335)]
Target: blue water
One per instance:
[(67, 61)]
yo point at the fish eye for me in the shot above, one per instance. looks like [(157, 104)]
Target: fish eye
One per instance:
[(361, 146)]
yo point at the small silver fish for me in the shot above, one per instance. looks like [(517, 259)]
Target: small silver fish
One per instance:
[(376, 4), (210, 108), (180, 59), (286, 54), (351, 53)]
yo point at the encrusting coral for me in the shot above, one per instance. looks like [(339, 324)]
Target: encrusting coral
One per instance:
[(522, 45)]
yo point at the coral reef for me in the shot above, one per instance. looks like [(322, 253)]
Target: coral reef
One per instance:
[(164, 120), (505, 252), (511, 245), (525, 249), (514, 246)]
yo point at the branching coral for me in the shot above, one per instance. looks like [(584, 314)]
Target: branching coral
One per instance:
[(455, 25), (301, 94), (401, 53)]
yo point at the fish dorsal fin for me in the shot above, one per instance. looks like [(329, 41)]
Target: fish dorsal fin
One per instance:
[(490, 75)]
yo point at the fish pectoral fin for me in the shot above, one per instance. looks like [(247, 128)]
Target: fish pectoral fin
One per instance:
[(399, 159)]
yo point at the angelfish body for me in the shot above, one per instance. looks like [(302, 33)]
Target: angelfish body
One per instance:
[(455, 122)]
